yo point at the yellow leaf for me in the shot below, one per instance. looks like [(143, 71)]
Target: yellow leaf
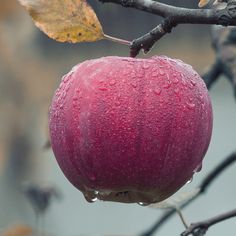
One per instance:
[(65, 21)]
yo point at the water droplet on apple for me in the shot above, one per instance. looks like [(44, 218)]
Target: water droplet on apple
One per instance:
[(193, 82), (184, 82), (91, 196), (117, 103), (190, 180), (176, 91), (143, 204), (167, 84), (157, 91), (175, 80), (134, 84), (162, 72), (145, 66), (112, 82), (65, 79), (190, 106), (103, 89), (198, 168)]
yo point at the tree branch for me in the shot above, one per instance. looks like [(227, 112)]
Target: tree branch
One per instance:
[(211, 76), (205, 184), (148, 40), (200, 228), (174, 16)]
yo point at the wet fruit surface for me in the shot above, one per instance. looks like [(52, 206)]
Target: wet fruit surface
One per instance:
[(130, 130)]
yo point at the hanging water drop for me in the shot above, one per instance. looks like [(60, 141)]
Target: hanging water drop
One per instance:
[(143, 204), (198, 168), (190, 180), (91, 196)]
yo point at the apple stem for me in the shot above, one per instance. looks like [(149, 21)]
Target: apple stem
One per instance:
[(117, 40)]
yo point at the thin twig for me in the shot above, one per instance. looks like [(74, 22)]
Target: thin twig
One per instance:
[(205, 184), (173, 16), (201, 227)]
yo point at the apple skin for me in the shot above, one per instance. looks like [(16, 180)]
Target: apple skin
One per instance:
[(130, 130)]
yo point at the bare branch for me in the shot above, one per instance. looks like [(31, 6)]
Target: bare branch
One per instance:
[(147, 41), (205, 184), (211, 76), (174, 16), (200, 228)]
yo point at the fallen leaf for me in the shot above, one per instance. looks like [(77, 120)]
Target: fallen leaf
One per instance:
[(65, 21)]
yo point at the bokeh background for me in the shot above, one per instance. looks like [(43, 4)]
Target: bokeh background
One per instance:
[(31, 66)]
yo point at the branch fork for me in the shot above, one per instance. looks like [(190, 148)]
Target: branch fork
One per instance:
[(172, 17)]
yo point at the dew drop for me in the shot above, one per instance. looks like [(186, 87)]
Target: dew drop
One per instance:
[(162, 72), (157, 91), (126, 72), (91, 196), (103, 89), (189, 181), (145, 66), (190, 106), (184, 82), (134, 84), (198, 168), (175, 81), (193, 82), (176, 91), (117, 103), (190, 99), (154, 73), (104, 192), (65, 79), (167, 84), (143, 204), (112, 82)]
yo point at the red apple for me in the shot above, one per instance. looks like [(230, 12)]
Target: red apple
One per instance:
[(130, 130)]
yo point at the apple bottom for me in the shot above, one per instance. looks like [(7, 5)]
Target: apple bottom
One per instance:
[(142, 198)]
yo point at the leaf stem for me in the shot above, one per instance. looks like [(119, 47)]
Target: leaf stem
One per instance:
[(117, 40), (179, 212)]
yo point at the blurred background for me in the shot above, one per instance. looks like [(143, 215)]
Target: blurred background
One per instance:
[(31, 67)]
